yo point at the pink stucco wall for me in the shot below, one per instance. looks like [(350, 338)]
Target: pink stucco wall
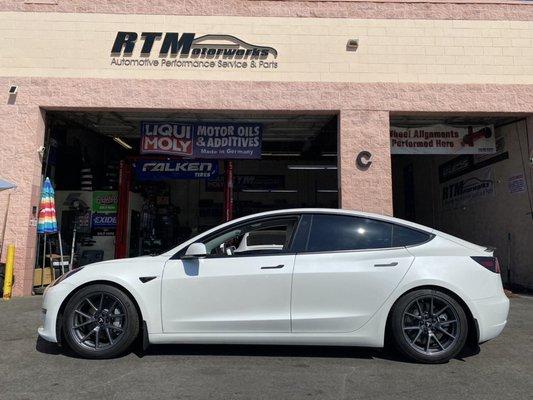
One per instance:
[(363, 108), (476, 10)]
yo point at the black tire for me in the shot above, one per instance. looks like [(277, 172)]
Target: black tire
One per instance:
[(422, 335), (93, 331)]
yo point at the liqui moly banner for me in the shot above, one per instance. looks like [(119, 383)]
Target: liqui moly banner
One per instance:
[(167, 138), (202, 140), (443, 139)]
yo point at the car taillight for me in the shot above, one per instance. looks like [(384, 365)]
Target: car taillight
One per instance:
[(491, 263)]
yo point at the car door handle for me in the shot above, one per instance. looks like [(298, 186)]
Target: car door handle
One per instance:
[(392, 264), (273, 266)]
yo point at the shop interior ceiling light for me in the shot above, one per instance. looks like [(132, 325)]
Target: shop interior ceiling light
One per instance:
[(270, 191), (312, 167), (122, 143), (281, 154)]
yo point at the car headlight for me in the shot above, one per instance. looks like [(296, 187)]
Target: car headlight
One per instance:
[(65, 276)]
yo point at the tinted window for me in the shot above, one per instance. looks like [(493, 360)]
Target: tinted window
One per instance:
[(339, 232), (403, 236)]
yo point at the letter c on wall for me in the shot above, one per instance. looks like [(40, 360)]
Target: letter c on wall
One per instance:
[(364, 160)]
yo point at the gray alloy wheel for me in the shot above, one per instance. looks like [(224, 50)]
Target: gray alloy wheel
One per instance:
[(100, 321), (429, 326)]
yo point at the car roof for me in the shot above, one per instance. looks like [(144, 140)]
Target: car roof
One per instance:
[(337, 211)]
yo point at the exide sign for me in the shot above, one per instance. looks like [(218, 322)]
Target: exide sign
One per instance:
[(104, 220)]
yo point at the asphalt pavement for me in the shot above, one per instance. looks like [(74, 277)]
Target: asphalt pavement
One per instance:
[(33, 369)]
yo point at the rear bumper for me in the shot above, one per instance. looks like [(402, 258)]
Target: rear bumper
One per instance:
[(53, 297), (492, 316)]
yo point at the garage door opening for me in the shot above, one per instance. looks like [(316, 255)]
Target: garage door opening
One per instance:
[(128, 192), (468, 176)]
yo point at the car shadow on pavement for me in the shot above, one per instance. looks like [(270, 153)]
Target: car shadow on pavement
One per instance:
[(287, 351)]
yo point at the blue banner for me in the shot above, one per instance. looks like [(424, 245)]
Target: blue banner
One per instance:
[(155, 170), (104, 221), (220, 140)]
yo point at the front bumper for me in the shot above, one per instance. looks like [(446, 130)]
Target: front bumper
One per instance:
[(53, 298), (492, 316)]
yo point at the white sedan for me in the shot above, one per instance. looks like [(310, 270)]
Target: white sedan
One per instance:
[(303, 277)]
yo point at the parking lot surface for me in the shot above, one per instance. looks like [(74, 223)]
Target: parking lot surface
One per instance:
[(33, 369)]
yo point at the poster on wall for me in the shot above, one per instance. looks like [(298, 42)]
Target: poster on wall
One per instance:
[(468, 189), (220, 140), (104, 212), (517, 184), (156, 170), (443, 139), (104, 224), (105, 201)]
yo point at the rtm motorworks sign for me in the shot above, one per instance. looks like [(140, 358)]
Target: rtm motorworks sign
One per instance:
[(187, 51)]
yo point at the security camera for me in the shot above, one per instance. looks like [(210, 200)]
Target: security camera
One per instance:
[(352, 45), (41, 150), (13, 89)]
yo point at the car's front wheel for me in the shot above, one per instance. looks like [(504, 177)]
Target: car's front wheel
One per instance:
[(100, 321), (428, 326)]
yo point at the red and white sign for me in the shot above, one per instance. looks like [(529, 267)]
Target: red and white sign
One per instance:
[(167, 138), (443, 139)]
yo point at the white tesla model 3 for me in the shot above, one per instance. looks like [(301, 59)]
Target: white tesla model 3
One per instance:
[(302, 276)]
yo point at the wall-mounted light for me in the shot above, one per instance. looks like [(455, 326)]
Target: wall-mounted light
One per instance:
[(352, 45), (13, 89), (122, 143)]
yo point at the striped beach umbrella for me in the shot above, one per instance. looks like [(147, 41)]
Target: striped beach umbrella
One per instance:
[(47, 222)]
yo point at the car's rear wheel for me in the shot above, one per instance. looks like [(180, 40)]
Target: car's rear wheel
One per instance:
[(428, 326), (100, 321)]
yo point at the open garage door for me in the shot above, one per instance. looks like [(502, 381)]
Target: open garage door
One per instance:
[(135, 183), (469, 176)]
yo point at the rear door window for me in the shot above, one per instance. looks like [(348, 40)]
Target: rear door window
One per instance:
[(344, 232)]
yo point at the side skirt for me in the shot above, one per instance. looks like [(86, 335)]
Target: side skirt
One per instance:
[(266, 338)]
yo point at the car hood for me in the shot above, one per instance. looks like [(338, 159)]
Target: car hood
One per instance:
[(119, 262)]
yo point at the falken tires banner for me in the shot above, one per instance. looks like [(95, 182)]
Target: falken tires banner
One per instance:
[(155, 170)]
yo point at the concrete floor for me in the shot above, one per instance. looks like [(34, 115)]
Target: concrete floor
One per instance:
[(33, 369)]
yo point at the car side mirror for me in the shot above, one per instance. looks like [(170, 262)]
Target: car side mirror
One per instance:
[(195, 250)]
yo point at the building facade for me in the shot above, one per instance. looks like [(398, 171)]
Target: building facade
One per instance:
[(368, 62)]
